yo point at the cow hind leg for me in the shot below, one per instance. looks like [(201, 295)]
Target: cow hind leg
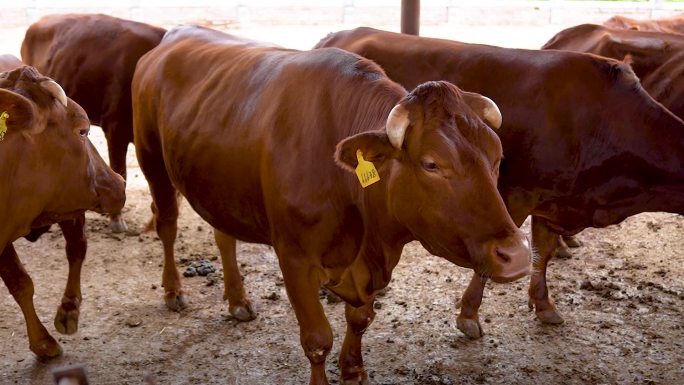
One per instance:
[(66, 319), (572, 241), (117, 147), (20, 286), (546, 243), (240, 306), (468, 320), (351, 359), (165, 217)]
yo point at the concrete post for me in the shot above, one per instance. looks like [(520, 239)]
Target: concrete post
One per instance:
[(410, 16)]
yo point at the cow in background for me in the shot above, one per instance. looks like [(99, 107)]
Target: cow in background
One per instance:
[(585, 145), (263, 143), (657, 58), (673, 24), (93, 57), (49, 172)]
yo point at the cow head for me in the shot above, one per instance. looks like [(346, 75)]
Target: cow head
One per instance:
[(438, 163), (48, 155)]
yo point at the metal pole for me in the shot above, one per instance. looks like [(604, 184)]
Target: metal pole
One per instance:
[(410, 16)]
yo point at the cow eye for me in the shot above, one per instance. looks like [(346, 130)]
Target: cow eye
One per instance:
[(430, 166), (84, 132)]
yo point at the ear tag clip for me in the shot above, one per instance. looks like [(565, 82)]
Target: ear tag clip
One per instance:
[(3, 124), (366, 171)]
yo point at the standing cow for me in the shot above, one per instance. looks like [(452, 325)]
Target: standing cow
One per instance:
[(93, 57), (657, 58), (584, 143), (49, 172), (263, 142), (673, 24)]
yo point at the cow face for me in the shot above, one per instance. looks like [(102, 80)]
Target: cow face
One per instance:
[(47, 144), (439, 163)]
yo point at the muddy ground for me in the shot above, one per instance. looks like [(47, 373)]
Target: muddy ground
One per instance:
[(622, 296)]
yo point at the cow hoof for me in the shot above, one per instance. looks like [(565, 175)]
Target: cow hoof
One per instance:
[(175, 301), (572, 242), (46, 349), (118, 225), (550, 316), (470, 327), (357, 378), (66, 321), (243, 313), (563, 253)]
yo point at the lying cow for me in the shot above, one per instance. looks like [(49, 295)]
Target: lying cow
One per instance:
[(673, 24), (584, 143), (657, 58), (93, 57), (49, 172), (263, 143)]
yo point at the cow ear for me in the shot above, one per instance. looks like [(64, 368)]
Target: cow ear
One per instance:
[(19, 111), (375, 147)]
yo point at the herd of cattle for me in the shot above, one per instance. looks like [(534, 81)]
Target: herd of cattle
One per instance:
[(263, 142)]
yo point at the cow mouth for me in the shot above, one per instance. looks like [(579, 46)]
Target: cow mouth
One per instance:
[(511, 276)]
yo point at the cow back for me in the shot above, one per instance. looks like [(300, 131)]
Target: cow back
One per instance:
[(93, 57), (572, 122), (657, 58), (261, 122)]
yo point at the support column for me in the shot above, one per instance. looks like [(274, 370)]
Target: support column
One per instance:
[(410, 16)]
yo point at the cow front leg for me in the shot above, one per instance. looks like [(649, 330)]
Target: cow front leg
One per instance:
[(239, 305), (468, 320), (351, 359), (117, 146), (66, 319), (20, 286), (546, 243), (302, 283)]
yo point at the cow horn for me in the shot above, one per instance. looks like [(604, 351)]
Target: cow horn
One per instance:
[(491, 113), (55, 89), (485, 108), (397, 122)]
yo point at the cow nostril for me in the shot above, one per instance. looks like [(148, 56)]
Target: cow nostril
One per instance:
[(502, 255)]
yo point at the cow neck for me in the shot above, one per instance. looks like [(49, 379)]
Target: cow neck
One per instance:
[(666, 139), (383, 241), (658, 167)]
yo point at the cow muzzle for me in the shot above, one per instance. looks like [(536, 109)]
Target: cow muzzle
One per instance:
[(111, 193), (508, 259)]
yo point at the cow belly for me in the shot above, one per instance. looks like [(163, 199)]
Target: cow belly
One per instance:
[(241, 219)]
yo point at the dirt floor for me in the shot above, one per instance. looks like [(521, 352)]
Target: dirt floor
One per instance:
[(622, 296)]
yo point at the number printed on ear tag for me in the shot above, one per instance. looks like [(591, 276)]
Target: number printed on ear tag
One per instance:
[(366, 171), (3, 124)]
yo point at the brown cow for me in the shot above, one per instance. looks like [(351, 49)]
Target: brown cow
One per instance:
[(262, 142), (584, 143), (657, 58), (673, 24), (93, 57), (49, 172)]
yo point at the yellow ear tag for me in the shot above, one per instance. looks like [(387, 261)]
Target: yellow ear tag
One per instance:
[(366, 171), (3, 125)]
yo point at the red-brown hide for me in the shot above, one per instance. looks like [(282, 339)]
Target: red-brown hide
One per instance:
[(251, 134), (584, 143), (657, 58), (673, 24), (93, 57), (49, 172)]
